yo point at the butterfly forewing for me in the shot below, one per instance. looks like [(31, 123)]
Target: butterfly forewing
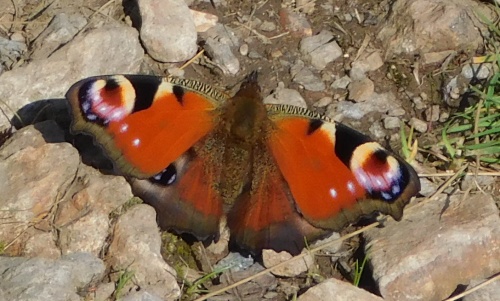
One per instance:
[(331, 188), (143, 122)]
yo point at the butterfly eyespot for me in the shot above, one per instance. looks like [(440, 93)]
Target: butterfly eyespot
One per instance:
[(167, 177)]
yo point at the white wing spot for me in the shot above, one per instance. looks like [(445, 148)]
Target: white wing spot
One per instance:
[(333, 193), (136, 142), (351, 187)]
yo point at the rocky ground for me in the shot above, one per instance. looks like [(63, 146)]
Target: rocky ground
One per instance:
[(71, 232)]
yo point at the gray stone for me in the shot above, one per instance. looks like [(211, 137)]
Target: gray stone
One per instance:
[(62, 28), (365, 63), (271, 258), (341, 83), (419, 125), (168, 31), (334, 289), (422, 26), (51, 77), (361, 90), (282, 95), (142, 296), (479, 71), (218, 43), (306, 77), (391, 122), (381, 103), (11, 51), (438, 245), (136, 247), (40, 279), (320, 49)]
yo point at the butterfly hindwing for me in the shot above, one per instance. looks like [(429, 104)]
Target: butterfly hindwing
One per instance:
[(143, 122), (336, 174), (264, 216), (186, 201)]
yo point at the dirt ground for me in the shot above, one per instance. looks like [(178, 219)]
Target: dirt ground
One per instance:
[(273, 67)]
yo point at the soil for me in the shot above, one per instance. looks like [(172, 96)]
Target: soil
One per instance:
[(273, 67)]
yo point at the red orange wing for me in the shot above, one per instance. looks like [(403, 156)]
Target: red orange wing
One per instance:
[(144, 122), (336, 174), (264, 216), (148, 126)]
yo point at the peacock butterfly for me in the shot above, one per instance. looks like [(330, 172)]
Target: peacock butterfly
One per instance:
[(278, 174)]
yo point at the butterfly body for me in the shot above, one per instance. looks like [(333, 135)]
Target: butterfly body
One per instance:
[(279, 174)]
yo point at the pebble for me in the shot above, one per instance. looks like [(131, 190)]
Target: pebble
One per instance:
[(330, 288), (479, 71), (306, 77), (341, 83), (62, 28), (168, 31), (282, 95), (244, 49), (365, 63), (432, 113), (218, 42), (203, 21), (377, 131), (271, 258), (320, 50), (267, 26), (419, 125), (419, 104), (361, 90), (392, 122), (295, 23), (323, 102)]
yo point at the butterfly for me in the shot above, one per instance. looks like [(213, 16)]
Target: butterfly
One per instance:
[(279, 175)]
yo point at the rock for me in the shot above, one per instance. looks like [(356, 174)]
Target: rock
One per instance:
[(419, 103), (341, 83), (41, 244), (267, 26), (235, 261), (489, 292), (423, 26), (96, 197), (40, 279), (141, 296), (365, 63), (332, 248), (376, 131), (430, 58), (203, 21), (51, 77), (361, 90), (478, 71), (432, 113), (419, 125), (378, 103), (323, 102), (427, 188), (62, 28), (391, 123), (11, 51), (255, 289), (32, 180), (168, 31), (294, 22), (438, 245), (320, 49), (334, 289), (305, 77), (218, 42), (282, 95), (271, 258), (472, 181), (136, 248)]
